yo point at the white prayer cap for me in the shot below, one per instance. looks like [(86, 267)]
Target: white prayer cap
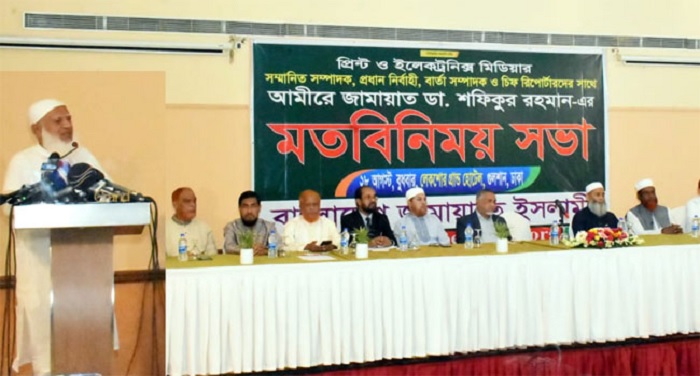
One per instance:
[(644, 183), (40, 108), (593, 186), (413, 192)]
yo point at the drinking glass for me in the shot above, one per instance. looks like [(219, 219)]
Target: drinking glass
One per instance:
[(413, 244), (477, 238), (194, 252)]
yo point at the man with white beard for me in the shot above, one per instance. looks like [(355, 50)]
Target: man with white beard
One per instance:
[(596, 214), (51, 124)]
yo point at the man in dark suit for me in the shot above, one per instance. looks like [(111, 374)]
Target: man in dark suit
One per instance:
[(366, 215), (596, 213), (482, 218)]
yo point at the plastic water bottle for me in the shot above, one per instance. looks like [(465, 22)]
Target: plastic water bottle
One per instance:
[(403, 239), (554, 234), (469, 236), (344, 241), (272, 244), (622, 224), (695, 227), (182, 248)]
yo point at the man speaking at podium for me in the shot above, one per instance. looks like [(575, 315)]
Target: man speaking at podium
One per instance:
[(51, 124)]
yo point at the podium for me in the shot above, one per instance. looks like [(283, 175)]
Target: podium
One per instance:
[(82, 277)]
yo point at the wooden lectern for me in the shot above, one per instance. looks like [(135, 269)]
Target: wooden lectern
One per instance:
[(82, 311)]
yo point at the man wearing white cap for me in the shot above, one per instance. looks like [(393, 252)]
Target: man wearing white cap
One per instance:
[(421, 227), (596, 213), (51, 124), (649, 217)]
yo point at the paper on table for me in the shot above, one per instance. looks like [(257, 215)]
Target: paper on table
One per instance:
[(382, 249), (312, 257)]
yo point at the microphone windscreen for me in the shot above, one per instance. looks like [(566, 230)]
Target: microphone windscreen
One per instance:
[(59, 176), (83, 176)]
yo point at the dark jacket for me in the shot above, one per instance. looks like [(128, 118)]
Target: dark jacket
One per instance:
[(585, 220), (380, 224), (476, 225)]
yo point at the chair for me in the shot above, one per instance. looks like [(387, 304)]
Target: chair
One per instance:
[(518, 226), (678, 217)]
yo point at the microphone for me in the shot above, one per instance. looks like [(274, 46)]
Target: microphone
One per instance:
[(74, 146), (107, 191), (82, 176), (29, 193), (59, 176), (52, 187), (55, 171), (92, 184), (6, 197), (50, 164), (562, 212)]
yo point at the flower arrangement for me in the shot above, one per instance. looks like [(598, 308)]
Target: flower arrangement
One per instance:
[(603, 238), (501, 228), (362, 235), (246, 238)]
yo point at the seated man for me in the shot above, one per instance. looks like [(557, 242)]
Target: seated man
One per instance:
[(596, 213), (482, 218), (424, 228), (692, 208), (366, 215), (249, 209), (200, 239), (649, 217), (309, 231)]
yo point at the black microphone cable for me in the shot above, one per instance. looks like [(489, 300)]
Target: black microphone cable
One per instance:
[(157, 295), (154, 263), (7, 343)]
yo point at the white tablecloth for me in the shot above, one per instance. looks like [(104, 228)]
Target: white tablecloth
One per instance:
[(270, 317)]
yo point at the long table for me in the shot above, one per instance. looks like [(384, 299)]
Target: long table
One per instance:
[(222, 317)]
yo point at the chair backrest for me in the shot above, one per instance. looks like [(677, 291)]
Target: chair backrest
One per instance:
[(518, 226), (678, 217)]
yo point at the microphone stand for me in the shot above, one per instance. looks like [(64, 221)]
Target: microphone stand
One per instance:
[(561, 218), (562, 226)]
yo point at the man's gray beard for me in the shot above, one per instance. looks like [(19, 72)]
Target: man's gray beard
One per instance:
[(598, 208), (54, 144)]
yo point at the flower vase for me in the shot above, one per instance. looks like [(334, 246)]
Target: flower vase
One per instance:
[(502, 245), (361, 250), (246, 256)]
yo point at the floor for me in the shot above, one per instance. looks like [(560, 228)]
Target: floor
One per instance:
[(672, 355)]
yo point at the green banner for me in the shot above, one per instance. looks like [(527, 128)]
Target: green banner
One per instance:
[(332, 118)]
